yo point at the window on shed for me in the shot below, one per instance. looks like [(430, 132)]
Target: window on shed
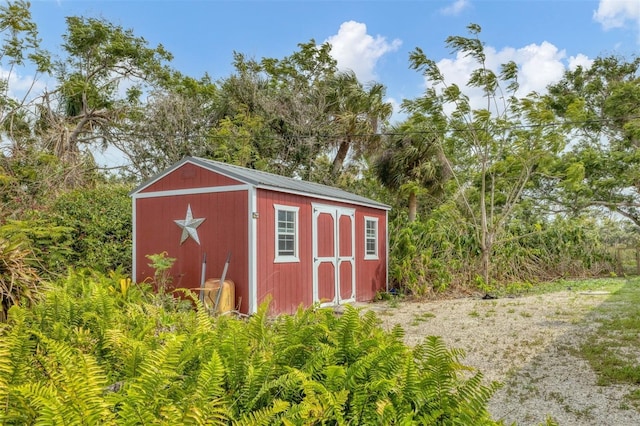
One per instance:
[(286, 233), (370, 238)]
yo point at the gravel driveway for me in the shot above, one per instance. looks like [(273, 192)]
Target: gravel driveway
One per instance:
[(525, 343)]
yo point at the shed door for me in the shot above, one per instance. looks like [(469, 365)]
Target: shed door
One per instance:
[(333, 255)]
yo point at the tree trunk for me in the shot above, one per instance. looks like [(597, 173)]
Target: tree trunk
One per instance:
[(338, 161), (486, 263), (413, 206)]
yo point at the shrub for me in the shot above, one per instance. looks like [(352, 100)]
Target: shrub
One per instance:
[(100, 219), (92, 351), (19, 281)]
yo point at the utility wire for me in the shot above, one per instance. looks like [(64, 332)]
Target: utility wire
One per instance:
[(338, 136)]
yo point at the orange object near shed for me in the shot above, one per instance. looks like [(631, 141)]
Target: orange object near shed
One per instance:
[(219, 302)]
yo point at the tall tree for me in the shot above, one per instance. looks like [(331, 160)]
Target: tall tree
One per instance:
[(24, 173), (600, 106), (356, 113), (105, 72), (282, 103), (20, 47), (413, 161), (497, 148), (175, 121)]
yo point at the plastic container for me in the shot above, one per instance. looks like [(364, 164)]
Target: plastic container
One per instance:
[(227, 299)]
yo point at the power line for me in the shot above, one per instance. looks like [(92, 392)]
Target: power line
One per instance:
[(339, 136)]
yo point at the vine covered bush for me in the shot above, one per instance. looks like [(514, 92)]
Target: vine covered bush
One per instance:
[(439, 251), (100, 349), (101, 222)]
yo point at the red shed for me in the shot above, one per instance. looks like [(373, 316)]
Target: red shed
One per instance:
[(299, 242)]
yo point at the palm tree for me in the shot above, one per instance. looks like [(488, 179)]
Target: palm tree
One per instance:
[(413, 161), (355, 112)]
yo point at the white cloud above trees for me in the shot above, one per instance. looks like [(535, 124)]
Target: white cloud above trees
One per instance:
[(539, 65), (358, 51), (617, 13)]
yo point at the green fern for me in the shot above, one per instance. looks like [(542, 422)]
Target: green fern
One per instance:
[(16, 348), (446, 390), (206, 403), (319, 406), (146, 398), (84, 352), (265, 416), (73, 393)]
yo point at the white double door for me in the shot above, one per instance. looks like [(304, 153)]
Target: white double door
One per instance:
[(334, 268)]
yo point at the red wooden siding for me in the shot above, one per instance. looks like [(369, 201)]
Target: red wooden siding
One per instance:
[(190, 176), (371, 275), (345, 237), (346, 272), (225, 229), (288, 284), (326, 243), (291, 284)]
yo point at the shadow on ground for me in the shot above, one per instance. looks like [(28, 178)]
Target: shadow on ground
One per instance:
[(559, 383)]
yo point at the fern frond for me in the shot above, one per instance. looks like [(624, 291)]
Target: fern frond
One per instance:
[(15, 351), (73, 392), (345, 335), (147, 395), (316, 361), (444, 389), (472, 398), (207, 402), (285, 386), (319, 406), (265, 416), (215, 412)]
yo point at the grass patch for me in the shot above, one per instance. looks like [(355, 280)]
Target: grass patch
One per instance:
[(633, 398), (423, 317), (603, 284), (613, 350), (527, 289)]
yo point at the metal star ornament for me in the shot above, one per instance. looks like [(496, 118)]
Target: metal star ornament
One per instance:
[(189, 226)]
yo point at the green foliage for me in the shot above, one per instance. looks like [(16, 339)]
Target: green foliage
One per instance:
[(612, 351), (101, 222), (50, 244), (83, 227), (437, 252), (599, 109), (20, 47), (161, 264), (19, 281), (87, 352), (494, 153)]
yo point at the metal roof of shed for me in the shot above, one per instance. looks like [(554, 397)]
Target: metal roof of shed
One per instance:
[(271, 181)]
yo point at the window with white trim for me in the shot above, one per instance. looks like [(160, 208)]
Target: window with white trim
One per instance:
[(286, 233), (370, 237)]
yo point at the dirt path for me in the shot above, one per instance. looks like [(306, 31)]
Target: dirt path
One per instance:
[(525, 343)]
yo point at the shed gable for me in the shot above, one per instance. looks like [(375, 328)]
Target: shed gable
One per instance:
[(189, 176)]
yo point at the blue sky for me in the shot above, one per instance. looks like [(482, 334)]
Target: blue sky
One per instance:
[(374, 38)]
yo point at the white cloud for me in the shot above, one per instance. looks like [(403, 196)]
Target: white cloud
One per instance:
[(538, 65), (21, 86), (615, 13), (456, 7), (358, 51), (580, 60)]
